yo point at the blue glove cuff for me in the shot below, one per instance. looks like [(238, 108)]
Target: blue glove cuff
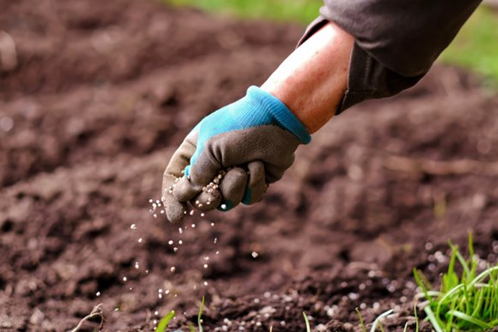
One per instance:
[(281, 114)]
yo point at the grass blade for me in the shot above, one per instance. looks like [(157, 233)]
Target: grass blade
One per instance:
[(377, 320), (163, 323), (470, 319), (308, 327), (483, 275), (416, 315), (199, 317), (434, 321), (362, 324)]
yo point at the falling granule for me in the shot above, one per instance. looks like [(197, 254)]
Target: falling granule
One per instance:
[(206, 266), (176, 295), (133, 226), (131, 288), (175, 249), (116, 309), (147, 271), (170, 242), (206, 258), (155, 215), (137, 266), (124, 279), (254, 254), (167, 292), (202, 214), (173, 269), (156, 313), (256, 300), (180, 242), (205, 283), (154, 322), (98, 294), (195, 287), (223, 206), (160, 290), (150, 201), (180, 230), (217, 253), (212, 224), (162, 211), (215, 240), (193, 225), (140, 240), (192, 212), (160, 296)]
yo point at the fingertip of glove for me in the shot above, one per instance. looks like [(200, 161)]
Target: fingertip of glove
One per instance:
[(175, 211)]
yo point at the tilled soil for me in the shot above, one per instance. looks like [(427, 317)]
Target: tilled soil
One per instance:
[(101, 95)]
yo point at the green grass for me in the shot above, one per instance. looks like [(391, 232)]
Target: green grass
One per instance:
[(467, 301), (475, 48), (303, 11), (163, 323), (307, 322), (199, 316)]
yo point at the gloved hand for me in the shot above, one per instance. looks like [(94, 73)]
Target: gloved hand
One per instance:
[(232, 155)]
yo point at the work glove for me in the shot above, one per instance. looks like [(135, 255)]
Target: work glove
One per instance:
[(232, 155)]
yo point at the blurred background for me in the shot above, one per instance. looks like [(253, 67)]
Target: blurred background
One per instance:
[(475, 47), (95, 96)]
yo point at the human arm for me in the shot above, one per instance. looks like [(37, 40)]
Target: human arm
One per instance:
[(353, 52), (255, 138), (313, 79)]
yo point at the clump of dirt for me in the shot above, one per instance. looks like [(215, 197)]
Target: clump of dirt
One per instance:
[(101, 96)]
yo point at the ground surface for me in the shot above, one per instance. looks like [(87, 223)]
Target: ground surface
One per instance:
[(101, 95)]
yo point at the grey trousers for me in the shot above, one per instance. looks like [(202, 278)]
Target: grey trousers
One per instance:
[(396, 41)]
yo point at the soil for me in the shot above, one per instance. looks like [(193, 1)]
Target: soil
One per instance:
[(101, 94)]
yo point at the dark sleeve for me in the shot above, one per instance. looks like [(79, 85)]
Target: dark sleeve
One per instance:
[(396, 41)]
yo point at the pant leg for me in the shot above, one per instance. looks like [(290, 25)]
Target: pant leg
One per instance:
[(396, 42)]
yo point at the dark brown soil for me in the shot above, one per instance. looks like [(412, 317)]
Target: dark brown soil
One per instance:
[(102, 94)]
